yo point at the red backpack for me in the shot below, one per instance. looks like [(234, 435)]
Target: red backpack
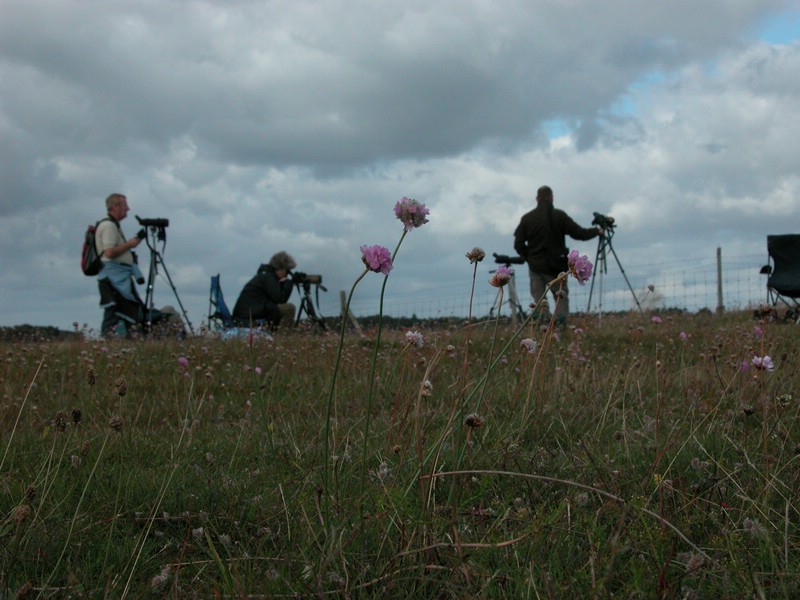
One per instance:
[(90, 259)]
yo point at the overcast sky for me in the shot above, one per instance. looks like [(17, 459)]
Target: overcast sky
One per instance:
[(257, 126)]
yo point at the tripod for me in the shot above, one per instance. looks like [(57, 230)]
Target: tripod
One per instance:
[(601, 263), (307, 305), (155, 231), (513, 299)]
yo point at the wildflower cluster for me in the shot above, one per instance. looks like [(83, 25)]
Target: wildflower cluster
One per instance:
[(501, 276), (579, 266), (763, 363), (377, 259), (415, 338), (412, 213)]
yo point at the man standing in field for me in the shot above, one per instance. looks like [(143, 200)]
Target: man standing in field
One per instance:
[(118, 295), (540, 240)]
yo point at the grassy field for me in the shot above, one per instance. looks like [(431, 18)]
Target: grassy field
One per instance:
[(634, 457)]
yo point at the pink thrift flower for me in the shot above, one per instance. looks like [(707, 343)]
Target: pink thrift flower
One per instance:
[(579, 266), (415, 337), (745, 366), (377, 259), (411, 213), (763, 363), (529, 345), (258, 370), (501, 276), (657, 320), (183, 361), (758, 332), (683, 336)]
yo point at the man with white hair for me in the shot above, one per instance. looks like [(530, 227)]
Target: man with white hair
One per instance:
[(118, 295)]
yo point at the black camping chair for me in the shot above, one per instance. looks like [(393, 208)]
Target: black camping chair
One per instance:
[(219, 316), (783, 273)]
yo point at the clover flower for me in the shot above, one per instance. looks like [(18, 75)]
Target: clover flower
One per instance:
[(476, 255), (415, 338), (501, 276), (377, 259), (763, 363), (411, 213), (579, 266)]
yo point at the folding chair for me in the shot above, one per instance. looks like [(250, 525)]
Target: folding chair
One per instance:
[(221, 320), (783, 273), (219, 316)]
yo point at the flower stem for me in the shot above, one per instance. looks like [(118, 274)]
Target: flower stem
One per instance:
[(332, 393), (372, 381)]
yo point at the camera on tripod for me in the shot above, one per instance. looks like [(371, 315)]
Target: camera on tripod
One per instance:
[(160, 223), (504, 259), (603, 221), (300, 278)]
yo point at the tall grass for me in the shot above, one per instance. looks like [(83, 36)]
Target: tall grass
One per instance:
[(619, 458)]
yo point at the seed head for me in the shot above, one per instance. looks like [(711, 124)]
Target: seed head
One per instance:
[(121, 386), (116, 422), (476, 255), (91, 376), (22, 513), (61, 421), (473, 420)]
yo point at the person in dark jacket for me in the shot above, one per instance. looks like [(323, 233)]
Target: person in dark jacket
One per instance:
[(540, 240), (265, 297)]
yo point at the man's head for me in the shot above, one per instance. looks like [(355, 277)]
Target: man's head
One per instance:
[(117, 206), (282, 261), (544, 193)]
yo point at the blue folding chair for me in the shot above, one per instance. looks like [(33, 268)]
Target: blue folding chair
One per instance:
[(219, 316)]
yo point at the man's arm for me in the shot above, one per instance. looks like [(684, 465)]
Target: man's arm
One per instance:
[(520, 244), (119, 249), (275, 290), (576, 232)]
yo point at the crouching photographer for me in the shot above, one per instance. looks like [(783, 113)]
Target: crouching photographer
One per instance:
[(265, 298)]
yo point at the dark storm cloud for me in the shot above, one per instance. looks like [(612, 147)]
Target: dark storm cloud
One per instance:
[(256, 126)]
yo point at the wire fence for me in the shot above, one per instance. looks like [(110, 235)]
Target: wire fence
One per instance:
[(689, 286)]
